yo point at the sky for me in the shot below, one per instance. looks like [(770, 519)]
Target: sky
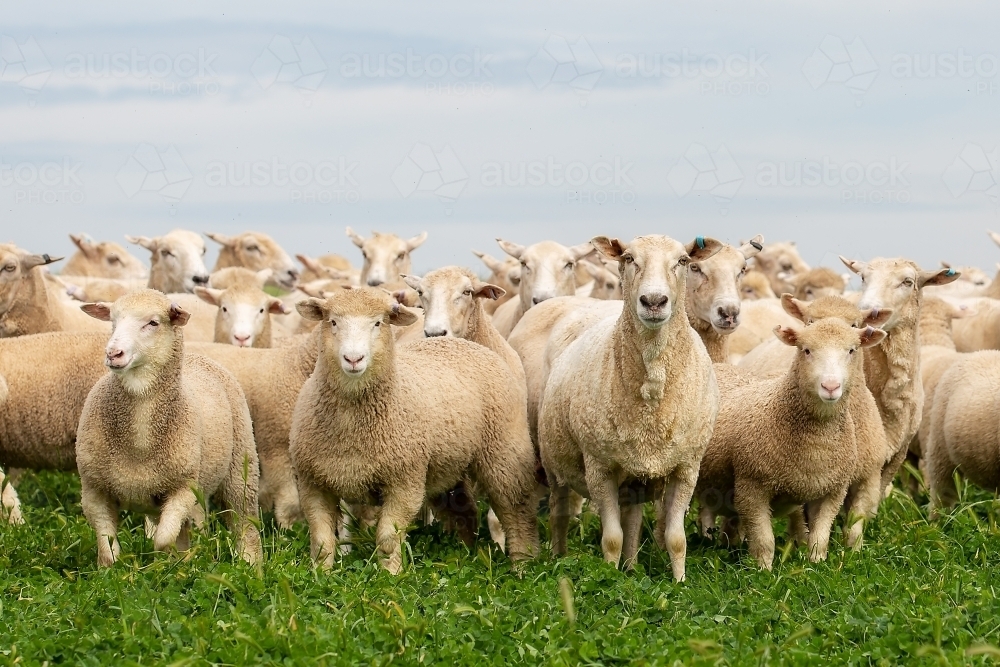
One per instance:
[(853, 128)]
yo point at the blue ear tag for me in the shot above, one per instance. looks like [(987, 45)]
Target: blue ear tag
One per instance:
[(950, 273), (701, 242)]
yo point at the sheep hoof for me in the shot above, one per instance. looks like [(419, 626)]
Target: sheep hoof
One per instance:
[(393, 564)]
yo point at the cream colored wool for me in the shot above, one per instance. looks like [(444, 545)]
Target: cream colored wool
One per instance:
[(386, 256), (105, 259), (256, 252), (505, 273), (176, 260), (754, 285)]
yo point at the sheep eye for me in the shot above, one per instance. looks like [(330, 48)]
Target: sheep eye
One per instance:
[(786, 267), (333, 322), (378, 323), (10, 268), (253, 248), (467, 292), (628, 259), (569, 266), (420, 292), (262, 311), (908, 283), (203, 251), (694, 268), (166, 253), (851, 351), (806, 352), (225, 310), (400, 256), (154, 323)]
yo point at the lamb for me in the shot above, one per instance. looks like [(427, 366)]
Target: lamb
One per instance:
[(505, 274), (794, 440), (244, 308), (818, 282), (386, 256), (177, 260), (381, 425), (29, 302), (160, 427), (963, 433), (754, 285), (44, 381), (106, 259), (629, 407), (781, 262), (548, 269), (256, 252)]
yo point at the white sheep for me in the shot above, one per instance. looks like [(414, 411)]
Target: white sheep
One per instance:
[(177, 260), (386, 256), (781, 263), (505, 274), (244, 308), (630, 405), (257, 252), (161, 427), (106, 259)]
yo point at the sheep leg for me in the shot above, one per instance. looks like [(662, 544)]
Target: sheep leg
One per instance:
[(864, 499), (892, 467), (753, 504), (797, 528), (939, 477), (173, 515), (239, 494), (559, 517), (322, 512), (277, 488), (398, 511), (677, 494), (604, 492), (823, 513), (9, 501), (101, 511), (632, 527)]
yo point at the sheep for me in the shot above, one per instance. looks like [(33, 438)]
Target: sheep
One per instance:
[(892, 369), (392, 426), (816, 283), (757, 322), (386, 256), (629, 406), (177, 261), (102, 260), (160, 427), (256, 251), (754, 285), (44, 381), (605, 284), (90, 290), (323, 262), (981, 330), (29, 302), (781, 262), (505, 274), (244, 308), (963, 430), (713, 295), (548, 269), (794, 440)]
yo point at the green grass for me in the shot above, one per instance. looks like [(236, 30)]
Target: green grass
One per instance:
[(918, 593)]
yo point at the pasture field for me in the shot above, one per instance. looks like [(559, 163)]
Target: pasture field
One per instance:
[(918, 593)]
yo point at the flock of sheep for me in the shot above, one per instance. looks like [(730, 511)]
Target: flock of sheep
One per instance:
[(620, 372)]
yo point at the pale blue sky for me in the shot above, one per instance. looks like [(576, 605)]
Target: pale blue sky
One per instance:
[(861, 129)]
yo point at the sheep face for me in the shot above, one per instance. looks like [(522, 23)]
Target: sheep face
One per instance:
[(808, 312), (894, 284), (817, 283), (448, 296), (548, 269), (177, 260), (258, 252), (15, 265), (386, 256), (243, 311), (828, 361), (506, 273), (103, 260), (754, 286), (355, 332), (145, 334), (713, 285), (607, 285), (781, 262)]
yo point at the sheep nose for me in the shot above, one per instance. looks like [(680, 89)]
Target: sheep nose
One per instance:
[(115, 354), (354, 361), (374, 282), (199, 280), (293, 274), (653, 300), (729, 314), (242, 341), (830, 386), (535, 300), (434, 333)]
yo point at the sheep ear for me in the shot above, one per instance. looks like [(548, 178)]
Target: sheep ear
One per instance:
[(99, 311), (871, 337), (311, 309), (144, 241), (752, 247), (28, 262), (853, 264), (355, 237), (610, 248), (793, 307), (276, 307), (593, 271), (413, 282), (702, 248), (221, 239), (416, 241), (491, 263), (483, 290), (83, 242), (402, 316), (209, 295), (581, 250), (515, 250), (940, 277), (310, 290), (787, 335), (310, 263), (994, 236), (178, 316), (876, 317)]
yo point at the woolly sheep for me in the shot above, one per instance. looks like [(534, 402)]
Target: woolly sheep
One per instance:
[(794, 440), (505, 274), (754, 285), (393, 426), (981, 330), (605, 284), (160, 427), (317, 268), (781, 262), (386, 256), (244, 308), (177, 261), (757, 322), (256, 252), (106, 259), (630, 405), (818, 282)]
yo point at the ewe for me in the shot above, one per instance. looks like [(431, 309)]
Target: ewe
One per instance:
[(628, 408), (794, 440), (386, 256), (781, 262), (385, 426), (754, 285), (256, 252), (315, 268), (177, 261), (161, 426), (816, 283), (102, 260), (244, 308), (505, 273)]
